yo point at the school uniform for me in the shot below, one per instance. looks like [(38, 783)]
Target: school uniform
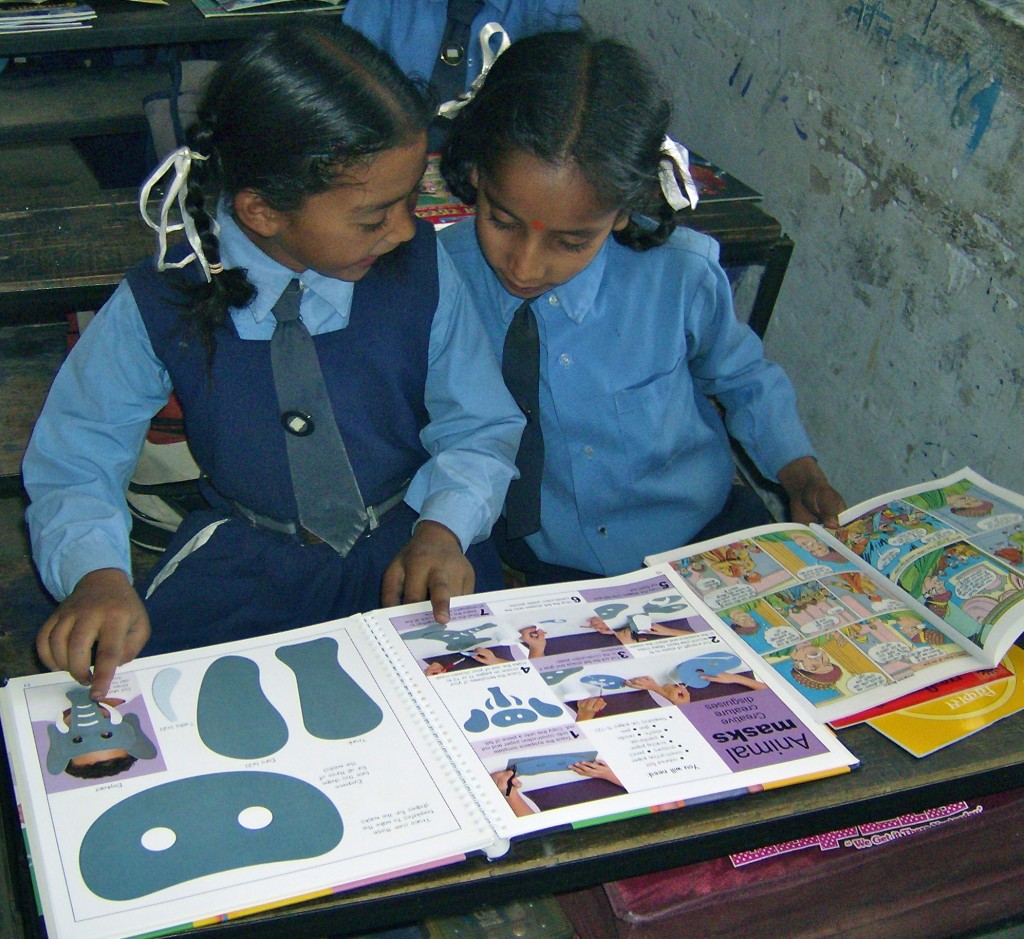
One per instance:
[(636, 456), (396, 350), (411, 32)]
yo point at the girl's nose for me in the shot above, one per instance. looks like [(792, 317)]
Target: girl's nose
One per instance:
[(526, 263), (403, 225)]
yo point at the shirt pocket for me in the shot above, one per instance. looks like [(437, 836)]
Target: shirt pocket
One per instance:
[(655, 420)]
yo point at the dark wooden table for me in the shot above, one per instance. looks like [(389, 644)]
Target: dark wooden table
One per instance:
[(57, 258), (121, 24), (889, 782)]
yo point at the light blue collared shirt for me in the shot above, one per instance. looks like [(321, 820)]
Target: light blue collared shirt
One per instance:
[(636, 457), (410, 31), (86, 442)]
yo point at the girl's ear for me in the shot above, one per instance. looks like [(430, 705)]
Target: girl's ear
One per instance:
[(621, 221), (253, 212)]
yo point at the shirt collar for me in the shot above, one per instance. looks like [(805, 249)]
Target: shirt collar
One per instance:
[(575, 297), (270, 277)]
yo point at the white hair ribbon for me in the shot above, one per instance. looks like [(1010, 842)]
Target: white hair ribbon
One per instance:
[(180, 161), (488, 56), (675, 162)]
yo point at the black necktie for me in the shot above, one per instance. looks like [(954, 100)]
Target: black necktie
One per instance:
[(326, 491), (520, 367)]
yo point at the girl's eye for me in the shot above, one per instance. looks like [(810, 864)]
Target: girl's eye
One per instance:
[(500, 224), (374, 226), (574, 246)]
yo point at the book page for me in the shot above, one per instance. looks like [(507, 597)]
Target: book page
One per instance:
[(836, 631), (578, 702), (228, 778), (955, 544)]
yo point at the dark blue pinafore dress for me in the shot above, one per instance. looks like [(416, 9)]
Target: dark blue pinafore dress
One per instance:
[(221, 577)]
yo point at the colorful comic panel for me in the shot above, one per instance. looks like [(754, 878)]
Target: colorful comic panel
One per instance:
[(965, 587), (732, 573), (803, 554), (828, 668), (900, 643), (885, 536), (1004, 544), (967, 508)]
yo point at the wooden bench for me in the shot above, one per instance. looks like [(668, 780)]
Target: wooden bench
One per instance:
[(54, 258)]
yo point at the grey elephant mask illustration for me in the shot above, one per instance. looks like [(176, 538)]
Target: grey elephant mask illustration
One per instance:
[(91, 730)]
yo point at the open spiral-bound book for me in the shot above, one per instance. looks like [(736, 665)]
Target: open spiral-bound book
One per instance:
[(253, 774)]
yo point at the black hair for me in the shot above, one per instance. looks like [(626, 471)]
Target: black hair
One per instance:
[(101, 768), (571, 98), (291, 109)]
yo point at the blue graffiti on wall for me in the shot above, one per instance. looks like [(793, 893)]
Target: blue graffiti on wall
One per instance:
[(973, 85)]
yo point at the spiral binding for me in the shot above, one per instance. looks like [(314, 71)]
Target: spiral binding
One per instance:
[(485, 802)]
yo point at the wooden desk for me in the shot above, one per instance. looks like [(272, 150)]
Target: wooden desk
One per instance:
[(121, 24), (889, 782)]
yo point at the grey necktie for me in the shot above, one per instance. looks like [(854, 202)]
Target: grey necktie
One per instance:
[(520, 367), (328, 497)]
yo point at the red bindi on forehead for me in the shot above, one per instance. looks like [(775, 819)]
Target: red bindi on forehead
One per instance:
[(537, 226)]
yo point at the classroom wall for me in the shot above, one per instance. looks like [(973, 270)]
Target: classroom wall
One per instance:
[(887, 138)]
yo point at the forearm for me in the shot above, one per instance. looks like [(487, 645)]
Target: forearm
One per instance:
[(474, 427)]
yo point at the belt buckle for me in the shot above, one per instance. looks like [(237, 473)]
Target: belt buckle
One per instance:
[(373, 518)]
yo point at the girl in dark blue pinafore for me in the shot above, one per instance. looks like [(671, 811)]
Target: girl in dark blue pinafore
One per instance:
[(298, 182)]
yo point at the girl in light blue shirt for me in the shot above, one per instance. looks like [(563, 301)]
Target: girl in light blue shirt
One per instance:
[(644, 370)]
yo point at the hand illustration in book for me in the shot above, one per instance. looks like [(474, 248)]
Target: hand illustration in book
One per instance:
[(675, 693), (589, 708), (509, 784), (596, 769)]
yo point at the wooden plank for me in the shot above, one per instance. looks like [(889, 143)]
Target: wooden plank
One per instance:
[(79, 102), (66, 250), (119, 23), (29, 358)]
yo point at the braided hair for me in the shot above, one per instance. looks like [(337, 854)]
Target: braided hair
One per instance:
[(571, 98), (294, 107)]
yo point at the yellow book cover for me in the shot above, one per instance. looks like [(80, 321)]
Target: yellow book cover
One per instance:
[(924, 728)]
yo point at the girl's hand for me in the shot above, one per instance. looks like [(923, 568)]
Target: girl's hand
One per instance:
[(811, 497), (431, 564), (728, 678), (103, 611)]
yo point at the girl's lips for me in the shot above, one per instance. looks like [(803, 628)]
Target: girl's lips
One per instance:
[(526, 293)]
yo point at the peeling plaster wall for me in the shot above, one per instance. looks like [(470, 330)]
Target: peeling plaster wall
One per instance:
[(887, 139)]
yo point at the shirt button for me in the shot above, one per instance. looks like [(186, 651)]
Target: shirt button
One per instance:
[(565, 360), (603, 531), (553, 300), (588, 452)]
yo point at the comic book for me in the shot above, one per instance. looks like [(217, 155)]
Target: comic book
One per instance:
[(258, 773), (914, 587)]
